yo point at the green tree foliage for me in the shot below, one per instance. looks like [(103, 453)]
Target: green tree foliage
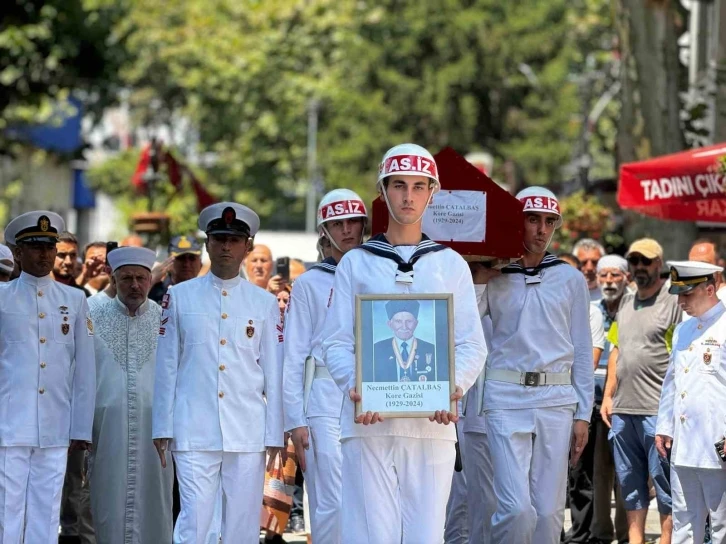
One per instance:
[(50, 48), (471, 74)]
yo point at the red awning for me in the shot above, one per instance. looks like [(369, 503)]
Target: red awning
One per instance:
[(686, 186)]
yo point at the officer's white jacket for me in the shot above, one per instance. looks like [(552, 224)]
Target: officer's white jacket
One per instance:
[(219, 350), (362, 272), (540, 327), (47, 364), (304, 337), (693, 399)]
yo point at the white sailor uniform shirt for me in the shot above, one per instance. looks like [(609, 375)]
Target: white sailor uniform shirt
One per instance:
[(541, 323), (309, 299), (218, 383), (693, 399), (47, 364), (372, 269)]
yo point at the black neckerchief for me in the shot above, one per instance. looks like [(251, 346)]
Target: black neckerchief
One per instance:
[(548, 261), (380, 246), (326, 265)]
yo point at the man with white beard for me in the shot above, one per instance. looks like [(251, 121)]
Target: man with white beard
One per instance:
[(613, 279)]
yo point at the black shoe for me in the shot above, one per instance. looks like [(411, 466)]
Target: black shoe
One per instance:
[(69, 540), (297, 525), (277, 539)]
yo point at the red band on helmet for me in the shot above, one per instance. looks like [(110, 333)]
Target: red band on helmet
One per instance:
[(413, 164), (544, 204), (342, 207)]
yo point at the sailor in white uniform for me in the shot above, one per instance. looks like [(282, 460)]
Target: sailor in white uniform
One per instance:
[(481, 500), (311, 398), (218, 387), (539, 379), (397, 473), (47, 382), (692, 411)]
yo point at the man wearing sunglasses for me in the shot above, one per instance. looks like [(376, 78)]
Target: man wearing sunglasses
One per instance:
[(641, 339)]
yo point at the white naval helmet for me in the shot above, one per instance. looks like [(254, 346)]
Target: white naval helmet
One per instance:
[(540, 200), (340, 204), (408, 160)]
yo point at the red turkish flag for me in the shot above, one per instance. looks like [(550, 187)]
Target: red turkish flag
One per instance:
[(137, 180)]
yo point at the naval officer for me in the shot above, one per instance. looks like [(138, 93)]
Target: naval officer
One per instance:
[(692, 410), (218, 390), (47, 382)]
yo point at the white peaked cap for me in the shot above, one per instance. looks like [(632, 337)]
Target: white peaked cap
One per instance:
[(128, 256)]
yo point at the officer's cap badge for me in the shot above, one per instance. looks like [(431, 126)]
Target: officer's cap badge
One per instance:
[(43, 223), (229, 215)]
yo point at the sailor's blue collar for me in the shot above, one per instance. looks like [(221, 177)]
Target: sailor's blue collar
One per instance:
[(379, 245), (326, 265), (548, 261)]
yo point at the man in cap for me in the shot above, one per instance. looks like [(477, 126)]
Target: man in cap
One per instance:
[(403, 357), (312, 399), (218, 389), (539, 379), (613, 278), (130, 490), (184, 263), (641, 344), (397, 472), (7, 263), (692, 411), (47, 381)]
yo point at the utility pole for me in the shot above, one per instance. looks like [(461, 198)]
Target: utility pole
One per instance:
[(311, 197)]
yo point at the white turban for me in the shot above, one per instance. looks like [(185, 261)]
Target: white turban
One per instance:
[(613, 261), (127, 255)]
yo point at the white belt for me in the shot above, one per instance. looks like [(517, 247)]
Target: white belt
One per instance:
[(322, 373), (528, 379)]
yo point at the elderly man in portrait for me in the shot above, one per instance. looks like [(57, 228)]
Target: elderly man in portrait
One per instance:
[(403, 357), (131, 493)]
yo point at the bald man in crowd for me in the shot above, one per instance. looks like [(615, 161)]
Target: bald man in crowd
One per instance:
[(706, 251), (258, 266)]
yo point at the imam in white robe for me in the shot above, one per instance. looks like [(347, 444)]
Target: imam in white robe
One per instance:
[(131, 495)]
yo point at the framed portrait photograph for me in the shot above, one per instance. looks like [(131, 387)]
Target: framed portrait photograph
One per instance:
[(405, 354)]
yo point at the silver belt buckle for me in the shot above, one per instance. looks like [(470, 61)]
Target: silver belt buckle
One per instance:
[(531, 379)]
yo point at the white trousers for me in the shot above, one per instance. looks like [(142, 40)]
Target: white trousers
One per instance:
[(242, 477), (456, 530), (31, 483), (395, 489), (323, 479), (480, 487), (529, 451), (698, 493)]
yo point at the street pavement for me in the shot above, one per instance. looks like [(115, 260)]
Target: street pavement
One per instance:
[(652, 527)]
